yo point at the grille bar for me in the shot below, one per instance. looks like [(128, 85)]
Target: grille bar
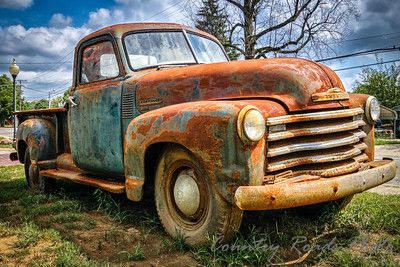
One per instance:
[(318, 130), (318, 158), (316, 144)]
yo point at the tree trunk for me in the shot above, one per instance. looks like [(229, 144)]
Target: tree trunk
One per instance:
[(249, 30)]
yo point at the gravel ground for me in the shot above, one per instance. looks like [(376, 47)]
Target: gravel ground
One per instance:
[(6, 132), (392, 187)]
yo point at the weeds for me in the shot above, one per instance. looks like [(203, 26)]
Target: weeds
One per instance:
[(137, 253), (379, 141), (106, 203), (28, 235)]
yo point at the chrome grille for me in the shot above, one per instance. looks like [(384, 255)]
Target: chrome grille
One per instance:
[(320, 143)]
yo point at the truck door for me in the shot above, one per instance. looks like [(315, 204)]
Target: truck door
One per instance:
[(95, 121)]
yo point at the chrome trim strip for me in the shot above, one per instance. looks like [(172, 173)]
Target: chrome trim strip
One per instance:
[(315, 130), (314, 116)]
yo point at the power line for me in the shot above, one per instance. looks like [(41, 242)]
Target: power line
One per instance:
[(162, 11), (367, 65), (32, 89), (38, 63), (362, 53), (366, 37), (53, 68)]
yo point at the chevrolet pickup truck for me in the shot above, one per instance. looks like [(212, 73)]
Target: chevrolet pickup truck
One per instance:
[(158, 110)]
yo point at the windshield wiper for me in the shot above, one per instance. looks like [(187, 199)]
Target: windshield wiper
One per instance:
[(172, 65)]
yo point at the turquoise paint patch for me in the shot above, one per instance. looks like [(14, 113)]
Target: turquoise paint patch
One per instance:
[(95, 131)]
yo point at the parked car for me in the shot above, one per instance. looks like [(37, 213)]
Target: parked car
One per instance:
[(159, 109)]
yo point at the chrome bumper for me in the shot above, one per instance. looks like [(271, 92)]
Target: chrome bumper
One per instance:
[(314, 190)]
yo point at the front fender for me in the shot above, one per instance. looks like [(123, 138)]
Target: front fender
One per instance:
[(208, 130), (39, 137)]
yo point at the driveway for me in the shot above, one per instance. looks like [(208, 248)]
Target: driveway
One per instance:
[(393, 186), (6, 132)]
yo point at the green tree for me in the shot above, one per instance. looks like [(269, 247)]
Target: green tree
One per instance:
[(60, 100), (6, 98), (380, 83), (214, 20), (41, 104)]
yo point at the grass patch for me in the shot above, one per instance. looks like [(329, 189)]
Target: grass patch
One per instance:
[(28, 235), (66, 217), (105, 229), (12, 183), (379, 141), (372, 212)]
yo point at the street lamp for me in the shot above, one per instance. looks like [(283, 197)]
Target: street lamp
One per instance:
[(14, 70)]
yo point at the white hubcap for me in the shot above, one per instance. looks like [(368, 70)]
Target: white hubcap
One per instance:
[(187, 193)]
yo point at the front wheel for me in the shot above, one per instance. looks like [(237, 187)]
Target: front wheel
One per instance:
[(187, 202), (36, 182)]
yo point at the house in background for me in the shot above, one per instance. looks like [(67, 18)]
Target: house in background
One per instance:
[(387, 124)]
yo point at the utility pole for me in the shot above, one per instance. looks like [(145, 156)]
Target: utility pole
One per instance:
[(50, 92), (20, 93)]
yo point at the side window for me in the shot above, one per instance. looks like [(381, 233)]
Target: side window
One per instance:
[(98, 63)]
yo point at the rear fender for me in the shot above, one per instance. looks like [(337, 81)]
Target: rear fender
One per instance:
[(208, 130), (38, 135)]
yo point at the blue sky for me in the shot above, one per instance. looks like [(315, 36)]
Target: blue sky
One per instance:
[(47, 31), (41, 11)]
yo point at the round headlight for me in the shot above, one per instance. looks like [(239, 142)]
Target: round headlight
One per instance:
[(372, 109), (251, 124)]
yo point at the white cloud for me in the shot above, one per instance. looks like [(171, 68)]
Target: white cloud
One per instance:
[(41, 44), (56, 42), (15, 4), (136, 11), (60, 21)]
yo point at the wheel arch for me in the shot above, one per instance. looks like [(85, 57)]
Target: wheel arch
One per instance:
[(39, 136), (207, 129)]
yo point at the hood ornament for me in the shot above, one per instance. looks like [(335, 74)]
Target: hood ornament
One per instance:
[(333, 94)]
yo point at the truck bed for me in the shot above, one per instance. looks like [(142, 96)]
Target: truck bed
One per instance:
[(40, 111)]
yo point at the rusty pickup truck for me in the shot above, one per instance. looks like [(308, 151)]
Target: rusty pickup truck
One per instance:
[(158, 110)]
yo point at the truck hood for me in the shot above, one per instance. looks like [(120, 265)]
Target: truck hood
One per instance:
[(292, 82)]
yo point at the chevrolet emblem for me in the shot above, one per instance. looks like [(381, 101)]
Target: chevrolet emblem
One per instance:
[(330, 95)]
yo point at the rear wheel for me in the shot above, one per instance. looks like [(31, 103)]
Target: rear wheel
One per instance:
[(36, 182), (187, 202)]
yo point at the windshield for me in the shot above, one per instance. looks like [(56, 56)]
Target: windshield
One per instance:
[(148, 49), (158, 48), (207, 51)]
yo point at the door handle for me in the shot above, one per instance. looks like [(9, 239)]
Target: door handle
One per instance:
[(72, 101)]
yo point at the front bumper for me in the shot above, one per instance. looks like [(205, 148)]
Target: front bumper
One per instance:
[(309, 190)]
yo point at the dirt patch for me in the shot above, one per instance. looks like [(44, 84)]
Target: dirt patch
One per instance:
[(107, 241), (6, 245)]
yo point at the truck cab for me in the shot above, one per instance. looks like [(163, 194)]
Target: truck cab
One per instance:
[(158, 110)]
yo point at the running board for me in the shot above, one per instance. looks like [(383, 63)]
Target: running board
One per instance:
[(82, 178)]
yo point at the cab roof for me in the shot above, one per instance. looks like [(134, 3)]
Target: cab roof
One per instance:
[(118, 30)]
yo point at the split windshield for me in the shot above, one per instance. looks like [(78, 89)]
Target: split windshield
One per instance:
[(148, 49)]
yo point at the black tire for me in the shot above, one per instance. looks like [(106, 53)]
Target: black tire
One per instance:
[(325, 209), (213, 215), (36, 182)]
